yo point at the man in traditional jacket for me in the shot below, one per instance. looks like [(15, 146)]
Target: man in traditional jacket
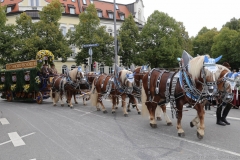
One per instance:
[(53, 70), (44, 70)]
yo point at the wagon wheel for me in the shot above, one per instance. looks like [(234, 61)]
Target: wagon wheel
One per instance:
[(39, 98), (9, 96)]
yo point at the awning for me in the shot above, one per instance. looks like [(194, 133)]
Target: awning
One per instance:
[(71, 6)]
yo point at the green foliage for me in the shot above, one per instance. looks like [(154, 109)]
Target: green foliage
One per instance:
[(202, 44), (6, 38), (161, 41), (226, 43), (89, 31), (234, 24), (128, 37)]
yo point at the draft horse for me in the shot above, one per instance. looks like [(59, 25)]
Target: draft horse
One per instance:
[(66, 85), (114, 86), (190, 85)]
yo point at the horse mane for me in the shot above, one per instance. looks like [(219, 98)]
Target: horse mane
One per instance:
[(123, 74), (195, 66), (73, 74), (220, 69)]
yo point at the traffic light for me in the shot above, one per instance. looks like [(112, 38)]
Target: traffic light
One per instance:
[(94, 64), (121, 60), (85, 61)]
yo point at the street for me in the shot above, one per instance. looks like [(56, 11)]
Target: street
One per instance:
[(29, 131)]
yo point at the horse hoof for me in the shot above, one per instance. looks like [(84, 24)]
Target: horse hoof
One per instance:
[(133, 106), (129, 110), (169, 123), (62, 105), (153, 125), (159, 118), (139, 113), (113, 112), (76, 102), (191, 124), (116, 107), (105, 111), (181, 134), (72, 107), (54, 105), (199, 136), (98, 109), (125, 115)]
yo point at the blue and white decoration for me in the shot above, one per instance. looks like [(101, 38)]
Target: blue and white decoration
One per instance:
[(210, 63)]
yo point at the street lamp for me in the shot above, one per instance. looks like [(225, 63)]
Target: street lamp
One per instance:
[(115, 35)]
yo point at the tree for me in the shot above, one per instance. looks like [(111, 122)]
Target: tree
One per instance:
[(128, 37), (88, 31), (202, 44), (6, 38), (161, 41), (226, 44), (234, 24)]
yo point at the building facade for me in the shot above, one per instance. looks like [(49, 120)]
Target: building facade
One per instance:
[(72, 9)]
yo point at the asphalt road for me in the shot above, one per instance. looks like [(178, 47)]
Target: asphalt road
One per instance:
[(60, 133)]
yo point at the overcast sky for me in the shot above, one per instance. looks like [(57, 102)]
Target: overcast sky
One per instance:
[(194, 14)]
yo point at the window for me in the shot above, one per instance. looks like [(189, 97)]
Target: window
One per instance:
[(64, 30), (110, 32), (110, 70), (84, 2), (9, 9), (73, 0), (110, 15), (34, 2), (139, 16), (122, 16), (102, 69), (72, 10), (73, 54), (2, 1), (73, 66), (64, 67), (99, 13), (72, 29), (91, 1)]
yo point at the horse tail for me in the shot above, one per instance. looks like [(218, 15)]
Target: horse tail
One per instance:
[(94, 95), (145, 111)]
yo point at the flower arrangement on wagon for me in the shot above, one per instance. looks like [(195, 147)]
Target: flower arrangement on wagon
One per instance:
[(37, 80), (26, 87), (13, 87), (44, 56), (2, 87)]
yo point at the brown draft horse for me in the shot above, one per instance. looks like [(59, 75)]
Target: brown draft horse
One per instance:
[(85, 87), (112, 86), (139, 72), (150, 99), (66, 85)]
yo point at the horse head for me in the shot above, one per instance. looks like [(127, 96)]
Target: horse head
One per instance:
[(127, 79), (203, 69)]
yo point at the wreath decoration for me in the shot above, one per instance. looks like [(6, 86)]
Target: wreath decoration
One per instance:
[(44, 56), (26, 87)]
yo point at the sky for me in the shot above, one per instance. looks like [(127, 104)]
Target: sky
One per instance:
[(195, 14)]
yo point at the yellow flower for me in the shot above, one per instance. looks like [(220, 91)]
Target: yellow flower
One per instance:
[(1, 86), (26, 87), (13, 87)]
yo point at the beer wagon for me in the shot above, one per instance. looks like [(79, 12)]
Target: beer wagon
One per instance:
[(23, 80)]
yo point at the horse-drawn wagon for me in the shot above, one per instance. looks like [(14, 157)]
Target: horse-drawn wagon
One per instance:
[(24, 80)]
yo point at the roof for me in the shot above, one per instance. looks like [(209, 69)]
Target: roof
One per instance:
[(108, 6)]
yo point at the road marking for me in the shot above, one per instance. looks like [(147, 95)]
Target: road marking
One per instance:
[(88, 113), (230, 117), (33, 159), (20, 138), (4, 121), (16, 139)]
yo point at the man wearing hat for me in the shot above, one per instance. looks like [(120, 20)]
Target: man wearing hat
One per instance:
[(53, 70), (44, 70)]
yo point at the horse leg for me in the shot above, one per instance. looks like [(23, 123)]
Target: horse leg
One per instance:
[(169, 122), (61, 98), (125, 113), (129, 103), (158, 113), (114, 101), (179, 105), (74, 96), (134, 104), (100, 103), (151, 106), (195, 121), (201, 126)]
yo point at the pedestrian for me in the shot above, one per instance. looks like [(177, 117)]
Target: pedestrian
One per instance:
[(223, 108)]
